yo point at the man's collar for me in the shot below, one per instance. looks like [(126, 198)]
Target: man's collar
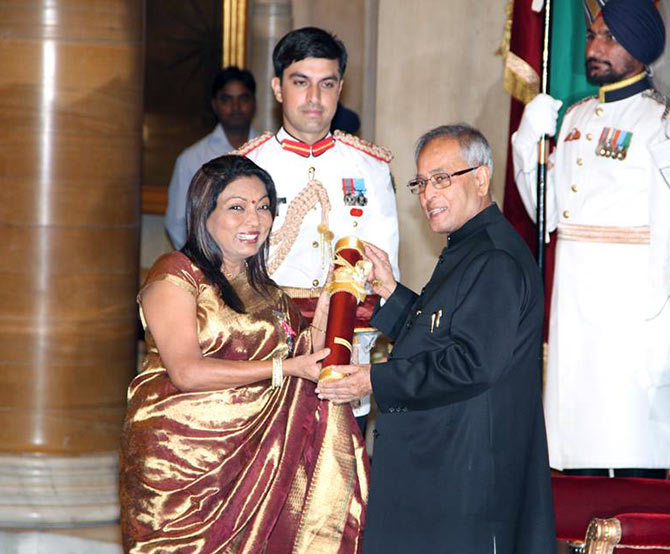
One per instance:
[(487, 216), (291, 144), (219, 134), (624, 89)]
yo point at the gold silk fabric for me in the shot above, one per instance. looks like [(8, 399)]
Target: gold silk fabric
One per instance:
[(246, 470)]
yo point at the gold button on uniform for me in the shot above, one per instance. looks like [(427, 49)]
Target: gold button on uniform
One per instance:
[(418, 312), (589, 136), (574, 188), (315, 283), (599, 111), (315, 244), (566, 214), (580, 161)]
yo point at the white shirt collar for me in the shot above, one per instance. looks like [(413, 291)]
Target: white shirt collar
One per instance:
[(219, 135)]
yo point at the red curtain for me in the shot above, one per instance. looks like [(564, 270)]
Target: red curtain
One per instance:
[(526, 42)]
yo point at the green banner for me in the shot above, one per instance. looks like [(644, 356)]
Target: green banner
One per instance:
[(567, 75)]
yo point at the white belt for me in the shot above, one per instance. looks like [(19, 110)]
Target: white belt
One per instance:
[(598, 233)]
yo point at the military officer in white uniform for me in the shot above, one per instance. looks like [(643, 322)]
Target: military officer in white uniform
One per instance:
[(607, 396), (355, 177), (329, 186)]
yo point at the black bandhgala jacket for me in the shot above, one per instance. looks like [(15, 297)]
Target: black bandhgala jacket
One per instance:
[(460, 456)]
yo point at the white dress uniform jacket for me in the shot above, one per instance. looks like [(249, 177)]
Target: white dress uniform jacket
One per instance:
[(211, 146), (607, 395), (350, 164)]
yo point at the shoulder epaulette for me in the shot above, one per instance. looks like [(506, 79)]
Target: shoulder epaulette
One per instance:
[(579, 103), (253, 144), (662, 99), (379, 152)]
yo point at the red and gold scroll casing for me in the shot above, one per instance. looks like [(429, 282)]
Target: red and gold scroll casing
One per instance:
[(347, 289)]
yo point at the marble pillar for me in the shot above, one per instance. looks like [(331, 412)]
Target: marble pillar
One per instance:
[(70, 157), (270, 20)]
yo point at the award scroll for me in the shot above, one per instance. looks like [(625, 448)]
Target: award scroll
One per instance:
[(347, 290)]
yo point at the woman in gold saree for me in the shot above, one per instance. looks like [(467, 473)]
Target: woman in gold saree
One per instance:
[(226, 447)]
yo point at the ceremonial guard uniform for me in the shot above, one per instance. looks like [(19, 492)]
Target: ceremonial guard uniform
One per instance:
[(337, 187), (607, 396)]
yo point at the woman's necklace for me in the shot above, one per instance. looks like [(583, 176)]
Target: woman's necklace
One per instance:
[(230, 275)]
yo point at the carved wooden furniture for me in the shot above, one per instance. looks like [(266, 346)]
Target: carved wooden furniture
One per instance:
[(613, 516)]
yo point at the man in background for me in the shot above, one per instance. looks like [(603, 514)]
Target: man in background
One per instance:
[(234, 104), (607, 395)]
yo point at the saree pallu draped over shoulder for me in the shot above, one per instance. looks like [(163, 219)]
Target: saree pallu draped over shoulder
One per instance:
[(247, 470)]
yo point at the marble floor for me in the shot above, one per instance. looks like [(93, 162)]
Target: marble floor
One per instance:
[(81, 540)]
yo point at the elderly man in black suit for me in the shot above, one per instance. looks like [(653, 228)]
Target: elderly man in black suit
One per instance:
[(460, 456)]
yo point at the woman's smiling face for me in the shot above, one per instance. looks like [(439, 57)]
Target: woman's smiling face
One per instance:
[(241, 221)]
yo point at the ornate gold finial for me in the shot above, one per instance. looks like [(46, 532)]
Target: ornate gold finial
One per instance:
[(602, 535)]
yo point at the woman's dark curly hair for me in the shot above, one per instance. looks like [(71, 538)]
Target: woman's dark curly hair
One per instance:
[(201, 248)]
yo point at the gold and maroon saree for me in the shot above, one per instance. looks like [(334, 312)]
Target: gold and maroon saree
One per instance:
[(247, 470)]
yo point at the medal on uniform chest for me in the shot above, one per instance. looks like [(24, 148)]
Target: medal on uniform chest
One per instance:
[(354, 192), (614, 143), (359, 186), (349, 192), (574, 134)]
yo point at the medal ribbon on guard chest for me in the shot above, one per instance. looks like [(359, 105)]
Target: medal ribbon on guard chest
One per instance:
[(354, 194), (614, 143), (349, 192)]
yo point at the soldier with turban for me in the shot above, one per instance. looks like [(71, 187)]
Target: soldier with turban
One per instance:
[(607, 395)]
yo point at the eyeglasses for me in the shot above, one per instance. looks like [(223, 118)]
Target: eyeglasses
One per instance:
[(438, 180)]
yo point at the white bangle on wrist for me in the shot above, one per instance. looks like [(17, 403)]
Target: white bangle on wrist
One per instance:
[(277, 372)]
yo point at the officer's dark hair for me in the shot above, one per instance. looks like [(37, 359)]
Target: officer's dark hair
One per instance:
[(308, 42), (233, 73), (475, 149), (201, 248)]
